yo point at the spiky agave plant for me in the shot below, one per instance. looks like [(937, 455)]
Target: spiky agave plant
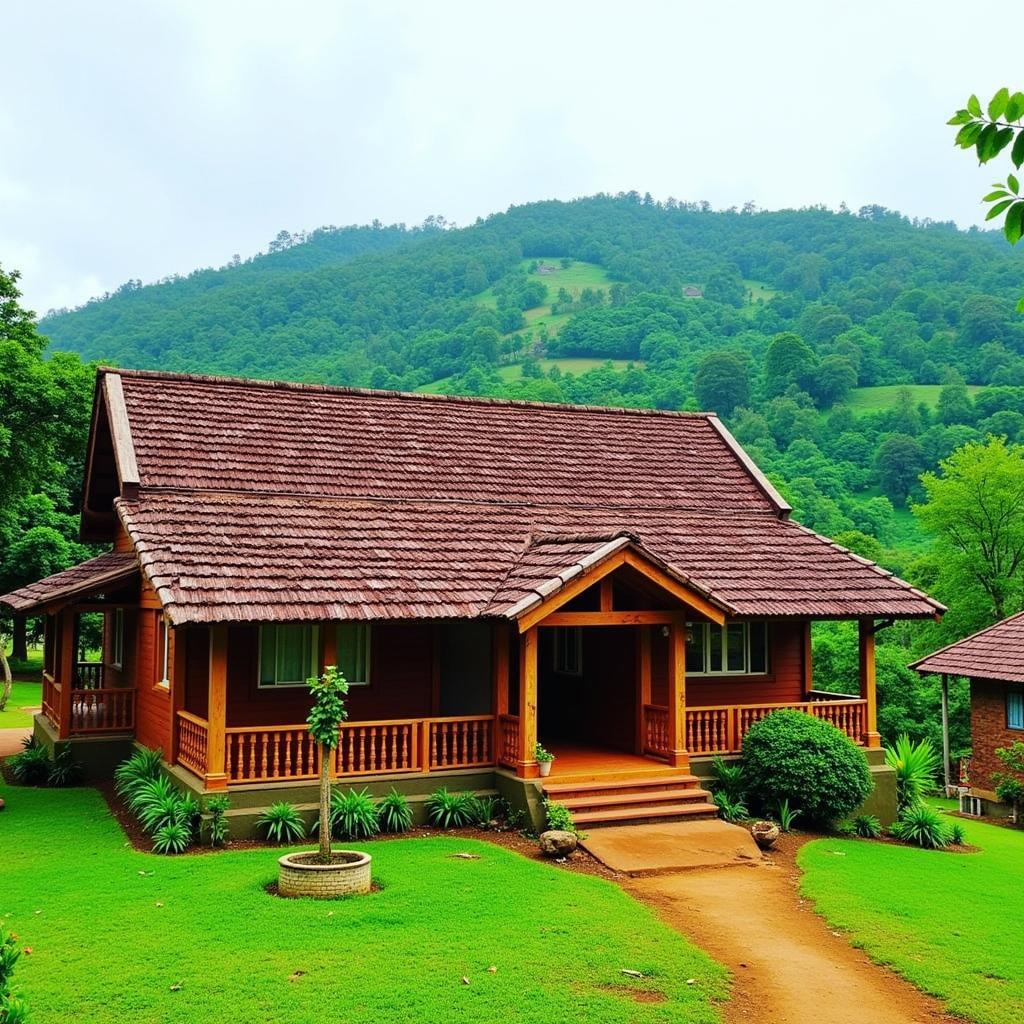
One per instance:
[(916, 765)]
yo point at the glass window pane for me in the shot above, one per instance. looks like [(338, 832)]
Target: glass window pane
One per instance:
[(1015, 709), (714, 649), (294, 648), (353, 652), (758, 646), (736, 647), (695, 637), (268, 654)]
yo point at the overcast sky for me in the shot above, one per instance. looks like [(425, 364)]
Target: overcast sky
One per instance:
[(139, 139)]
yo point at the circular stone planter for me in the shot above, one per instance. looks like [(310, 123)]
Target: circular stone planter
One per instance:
[(302, 874)]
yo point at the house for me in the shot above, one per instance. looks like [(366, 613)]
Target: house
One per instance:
[(993, 662), (623, 586)]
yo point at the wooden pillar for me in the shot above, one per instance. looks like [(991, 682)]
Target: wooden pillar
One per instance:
[(176, 673), (677, 754), (216, 716), (643, 683), (866, 637), (64, 664), (946, 767), (527, 766), (807, 660)]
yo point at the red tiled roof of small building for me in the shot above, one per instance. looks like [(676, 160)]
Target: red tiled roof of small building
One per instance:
[(106, 570), (993, 653)]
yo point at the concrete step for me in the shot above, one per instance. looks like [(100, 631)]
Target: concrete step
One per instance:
[(653, 798), (562, 789), (645, 814)]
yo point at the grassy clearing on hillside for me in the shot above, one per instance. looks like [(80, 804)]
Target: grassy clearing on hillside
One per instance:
[(112, 930), (878, 399), (948, 922), (23, 695), (514, 371)]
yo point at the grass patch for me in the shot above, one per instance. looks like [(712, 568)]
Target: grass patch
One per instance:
[(112, 930), (22, 695), (948, 922), (877, 399)]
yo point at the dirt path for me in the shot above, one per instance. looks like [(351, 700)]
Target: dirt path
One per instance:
[(788, 966), (10, 740)]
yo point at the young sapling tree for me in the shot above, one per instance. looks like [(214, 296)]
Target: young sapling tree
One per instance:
[(325, 718)]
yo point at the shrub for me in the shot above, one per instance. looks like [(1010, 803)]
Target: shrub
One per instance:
[(217, 823), (867, 826), (727, 778), (485, 809), (171, 837), (559, 816), (394, 813), (151, 791), (143, 766), (353, 815), (792, 756), (64, 770), (281, 823), (31, 766), (921, 825), (12, 1011), (915, 765), (729, 809), (956, 834), (450, 810), (786, 815), (512, 817)]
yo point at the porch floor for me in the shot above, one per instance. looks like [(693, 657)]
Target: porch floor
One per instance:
[(580, 762)]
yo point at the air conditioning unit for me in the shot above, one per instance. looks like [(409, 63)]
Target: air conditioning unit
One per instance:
[(970, 805)]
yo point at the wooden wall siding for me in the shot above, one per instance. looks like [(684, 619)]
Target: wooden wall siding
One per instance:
[(784, 684), (153, 703), (989, 731), (401, 659)]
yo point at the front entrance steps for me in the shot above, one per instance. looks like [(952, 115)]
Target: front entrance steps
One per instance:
[(633, 798)]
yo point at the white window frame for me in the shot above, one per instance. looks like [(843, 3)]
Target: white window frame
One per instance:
[(566, 638), (117, 639), (706, 627), (367, 647), (164, 681), (289, 683)]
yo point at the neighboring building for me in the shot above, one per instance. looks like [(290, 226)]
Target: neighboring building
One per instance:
[(993, 661), (624, 586)]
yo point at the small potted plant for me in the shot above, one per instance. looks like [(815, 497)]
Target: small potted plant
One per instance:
[(543, 758)]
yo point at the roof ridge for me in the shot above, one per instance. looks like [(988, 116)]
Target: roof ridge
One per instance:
[(964, 639), (341, 389)]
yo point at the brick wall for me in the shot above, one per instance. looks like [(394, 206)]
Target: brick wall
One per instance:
[(988, 730)]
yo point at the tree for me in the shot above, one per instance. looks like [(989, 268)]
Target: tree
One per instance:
[(787, 360), (325, 718), (722, 383), (899, 463), (975, 509), (832, 379), (954, 404)]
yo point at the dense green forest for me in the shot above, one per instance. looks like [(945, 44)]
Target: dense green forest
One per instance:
[(851, 352)]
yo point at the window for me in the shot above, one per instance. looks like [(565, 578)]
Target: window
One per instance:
[(353, 652), (737, 648), (164, 640), (1015, 709), (288, 655), (117, 639), (568, 650)]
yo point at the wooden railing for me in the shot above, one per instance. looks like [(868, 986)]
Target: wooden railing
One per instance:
[(110, 709), (88, 675), (508, 740), (278, 753), (655, 730), (51, 700), (192, 738)]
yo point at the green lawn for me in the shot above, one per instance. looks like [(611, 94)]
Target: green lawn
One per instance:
[(22, 695), (950, 923), (884, 397), (112, 930)]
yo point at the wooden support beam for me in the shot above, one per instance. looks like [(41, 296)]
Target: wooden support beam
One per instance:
[(178, 651), (638, 618), (807, 661), (217, 709), (947, 772), (643, 683), (606, 594), (866, 644), (677, 754), (65, 666), (527, 765)]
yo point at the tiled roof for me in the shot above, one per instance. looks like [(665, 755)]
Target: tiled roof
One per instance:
[(993, 653), (220, 557), (109, 569)]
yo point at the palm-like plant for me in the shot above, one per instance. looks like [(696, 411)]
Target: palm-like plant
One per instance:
[(916, 765), (281, 822), (325, 718)]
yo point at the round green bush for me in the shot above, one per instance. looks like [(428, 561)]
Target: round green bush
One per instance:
[(792, 756)]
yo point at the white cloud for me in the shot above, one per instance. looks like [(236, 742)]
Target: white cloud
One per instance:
[(147, 139)]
